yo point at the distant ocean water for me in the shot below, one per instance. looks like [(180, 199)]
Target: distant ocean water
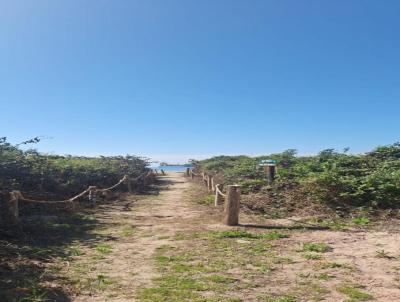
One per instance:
[(171, 168)]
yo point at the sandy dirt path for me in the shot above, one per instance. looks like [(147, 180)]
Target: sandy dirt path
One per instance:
[(154, 219)]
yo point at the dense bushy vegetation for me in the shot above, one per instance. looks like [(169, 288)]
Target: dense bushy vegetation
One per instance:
[(371, 179), (63, 176)]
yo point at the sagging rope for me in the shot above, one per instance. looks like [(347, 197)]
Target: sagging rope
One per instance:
[(123, 179), (206, 179), (92, 191), (217, 190), (19, 196)]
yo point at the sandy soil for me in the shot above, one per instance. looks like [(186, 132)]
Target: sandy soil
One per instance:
[(155, 219)]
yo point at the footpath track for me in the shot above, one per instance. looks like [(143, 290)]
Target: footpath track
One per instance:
[(154, 221)]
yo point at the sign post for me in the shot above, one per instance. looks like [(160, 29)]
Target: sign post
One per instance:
[(269, 168)]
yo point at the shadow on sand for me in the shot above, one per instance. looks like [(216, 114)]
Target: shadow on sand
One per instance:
[(27, 251), (299, 226)]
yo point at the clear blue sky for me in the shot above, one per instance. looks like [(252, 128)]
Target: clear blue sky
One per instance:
[(178, 79)]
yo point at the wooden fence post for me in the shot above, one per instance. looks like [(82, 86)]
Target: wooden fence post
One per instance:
[(187, 172), (162, 172), (231, 210), (209, 182), (93, 196), (218, 197), (13, 207), (270, 169), (191, 174)]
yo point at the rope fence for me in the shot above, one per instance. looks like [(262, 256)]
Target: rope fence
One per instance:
[(93, 192), (231, 198)]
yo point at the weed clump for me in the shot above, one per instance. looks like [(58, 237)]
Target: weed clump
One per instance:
[(316, 247), (354, 293)]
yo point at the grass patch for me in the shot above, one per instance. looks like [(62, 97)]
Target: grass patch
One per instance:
[(333, 224), (103, 248), (201, 273), (127, 232), (187, 236), (61, 227), (354, 293), (280, 299), (219, 279), (265, 268), (326, 265), (181, 282), (36, 295), (102, 282), (208, 200), (312, 256), (361, 220), (311, 291), (162, 294), (315, 247), (74, 251), (325, 276)]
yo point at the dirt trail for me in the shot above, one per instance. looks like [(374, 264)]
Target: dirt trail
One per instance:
[(154, 219)]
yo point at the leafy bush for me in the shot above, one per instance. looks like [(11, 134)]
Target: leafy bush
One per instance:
[(31, 171), (371, 179)]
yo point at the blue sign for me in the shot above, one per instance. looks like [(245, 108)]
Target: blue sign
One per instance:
[(267, 162)]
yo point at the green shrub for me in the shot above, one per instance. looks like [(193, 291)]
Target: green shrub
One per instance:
[(63, 176), (371, 179)]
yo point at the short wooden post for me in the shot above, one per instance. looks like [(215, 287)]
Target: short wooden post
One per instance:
[(209, 182), (93, 196), (218, 197), (162, 172), (70, 205), (187, 172), (191, 174), (212, 184), (270, 170), (13, 207), (231, 210)]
